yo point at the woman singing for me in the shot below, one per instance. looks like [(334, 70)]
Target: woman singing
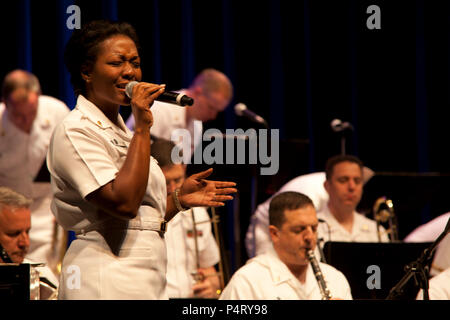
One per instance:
[(107, 188)]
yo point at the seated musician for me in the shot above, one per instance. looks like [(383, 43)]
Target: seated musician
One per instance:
[(290, 271), (192, 251), (15, 225), (335, 193), (344, 185)]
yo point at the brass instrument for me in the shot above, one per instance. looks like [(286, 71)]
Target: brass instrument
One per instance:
[(58, 248), (22, 280), (383, 211), (214, 220), (326, 295)]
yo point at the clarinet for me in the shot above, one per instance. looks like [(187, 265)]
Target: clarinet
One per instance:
[(326, 295)]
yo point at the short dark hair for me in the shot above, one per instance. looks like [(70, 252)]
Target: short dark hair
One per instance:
[(286, 201), (83, 46), (161, 150), (334, 160)]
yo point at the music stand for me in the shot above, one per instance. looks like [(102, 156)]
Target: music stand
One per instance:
[(353, 259)]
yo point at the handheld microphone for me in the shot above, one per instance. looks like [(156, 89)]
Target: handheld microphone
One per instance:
[(337, 125), (241, 110), (167, 96)]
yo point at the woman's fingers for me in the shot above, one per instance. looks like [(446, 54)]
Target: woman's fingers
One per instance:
[(226, 191), (202, 174)]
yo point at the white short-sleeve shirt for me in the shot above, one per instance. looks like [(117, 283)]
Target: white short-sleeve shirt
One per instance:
[(266, 277), (21, 157), (116, 259), (181, 250), (87, 151), (364, 229)]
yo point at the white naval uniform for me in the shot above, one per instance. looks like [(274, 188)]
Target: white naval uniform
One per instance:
[(441, 260), (439, 287), (181, 254), (364, 229), (257, 239), (266, 277), (429, 232), (21, 157), (170, 122), (111, 258)]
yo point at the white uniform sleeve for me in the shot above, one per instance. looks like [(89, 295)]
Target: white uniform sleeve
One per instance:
[(257, 238), (239, 288), (80, 158), (209, 253), (441, 259), (338, 284)]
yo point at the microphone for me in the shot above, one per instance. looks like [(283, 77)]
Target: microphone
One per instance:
[(167, 96), (328, 227), (337, 125), (241, 110)]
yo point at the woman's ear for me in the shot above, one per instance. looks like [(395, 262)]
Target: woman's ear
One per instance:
[(85, 74)]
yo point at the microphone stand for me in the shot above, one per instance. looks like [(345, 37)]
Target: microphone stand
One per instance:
[(419, 269), (343, 143)]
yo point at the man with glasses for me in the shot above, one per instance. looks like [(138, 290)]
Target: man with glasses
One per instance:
[(211, 90)]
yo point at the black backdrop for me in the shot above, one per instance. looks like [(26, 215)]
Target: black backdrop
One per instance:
[(299, 64)]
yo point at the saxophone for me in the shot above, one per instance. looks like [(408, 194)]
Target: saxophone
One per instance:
[(326, 295)]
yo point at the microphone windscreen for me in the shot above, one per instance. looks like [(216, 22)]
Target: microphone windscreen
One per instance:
[(239, 108), (129, 88), (335, 124)]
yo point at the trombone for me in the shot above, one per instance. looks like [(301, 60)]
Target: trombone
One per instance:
[(214, 220), (383, 211)]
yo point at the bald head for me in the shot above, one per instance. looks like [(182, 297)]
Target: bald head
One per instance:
[(20, 93), (20, 79), (212, 92), (212, 80)]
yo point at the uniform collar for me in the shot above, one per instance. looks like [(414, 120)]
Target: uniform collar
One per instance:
[(278, 270), (359, 223), (97, 117), (280, 273)]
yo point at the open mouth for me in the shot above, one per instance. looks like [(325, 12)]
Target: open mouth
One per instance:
[(121, 86)]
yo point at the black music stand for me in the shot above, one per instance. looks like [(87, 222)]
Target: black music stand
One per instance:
[(419, 269), (354, 258), (15, 281)]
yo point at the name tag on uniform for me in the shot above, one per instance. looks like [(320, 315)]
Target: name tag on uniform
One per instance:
[(118, 143), (190, 233)]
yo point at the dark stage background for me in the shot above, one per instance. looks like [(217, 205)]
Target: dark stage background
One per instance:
[(298, 64)]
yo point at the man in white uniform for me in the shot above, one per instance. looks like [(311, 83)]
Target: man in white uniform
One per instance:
[(27, 122), (429, 232), (439, 287), (344, 185), (192, 251), (257, 239), (285, 273), (15, 225), (212, 92)]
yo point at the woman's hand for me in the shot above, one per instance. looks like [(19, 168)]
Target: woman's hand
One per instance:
[(198, 192), (143, 96)]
